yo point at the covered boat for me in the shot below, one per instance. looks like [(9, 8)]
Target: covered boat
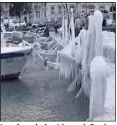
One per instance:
[(13, 59)]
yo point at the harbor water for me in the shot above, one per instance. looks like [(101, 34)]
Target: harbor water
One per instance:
[(41, 95)]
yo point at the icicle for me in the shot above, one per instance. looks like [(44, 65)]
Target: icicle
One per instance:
[(66, 65)]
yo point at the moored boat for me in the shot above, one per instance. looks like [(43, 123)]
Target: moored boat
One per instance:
[(13, 59)]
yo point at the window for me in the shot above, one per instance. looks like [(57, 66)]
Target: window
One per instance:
[(44, 4), (59, 9), (83, 6), (52, 9), (102, 8), (73, 7), (82, 10), (53, 20), (38, 14), (90, 10), (44, 13), (6, 6), (37, 6)]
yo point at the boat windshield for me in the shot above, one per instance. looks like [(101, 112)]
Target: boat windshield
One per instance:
[(11, 34), (8, 35)]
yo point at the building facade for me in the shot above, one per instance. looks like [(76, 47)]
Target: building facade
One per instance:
[(4, 9), (44, 12)]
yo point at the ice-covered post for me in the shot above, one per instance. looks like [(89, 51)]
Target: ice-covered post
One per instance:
[(89, 54), (72, 32), (98, 18), (98, 87), (72, 25), (98, 72), (66, 33), (63, 28)]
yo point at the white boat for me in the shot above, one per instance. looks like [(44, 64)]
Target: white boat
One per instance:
[(13, 59)]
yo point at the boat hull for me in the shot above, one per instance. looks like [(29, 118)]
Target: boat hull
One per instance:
[(12, 63)]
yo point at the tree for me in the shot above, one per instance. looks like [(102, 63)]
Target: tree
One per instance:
[(1, 8), (27, 9), (15, 9), (112, 8)]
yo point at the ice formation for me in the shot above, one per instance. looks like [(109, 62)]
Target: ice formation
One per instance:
[(3, 28), (109, 107), (98, 18), (72, 53), (98, 87), (94, 71), (66, 61), (80, 40), (72, 25), (109, 45), (89, 54), (95, 46), (66, 32)]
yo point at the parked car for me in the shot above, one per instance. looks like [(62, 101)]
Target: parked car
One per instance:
[(35, 25), (18, 24)]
